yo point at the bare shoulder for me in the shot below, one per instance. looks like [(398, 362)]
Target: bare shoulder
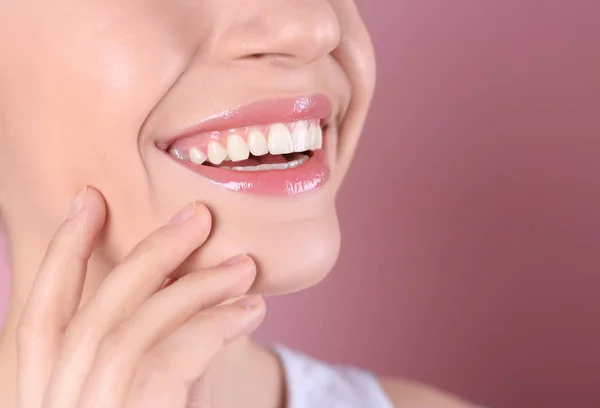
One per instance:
[(405, 393)]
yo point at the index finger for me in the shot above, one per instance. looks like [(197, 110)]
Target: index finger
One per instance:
[(55, 294)]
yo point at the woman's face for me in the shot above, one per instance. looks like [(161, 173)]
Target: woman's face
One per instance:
[(99, 92)]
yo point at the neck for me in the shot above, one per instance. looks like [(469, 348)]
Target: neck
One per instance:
[(252, 370)]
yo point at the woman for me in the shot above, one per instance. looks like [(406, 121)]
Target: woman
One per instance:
[(246, 113)]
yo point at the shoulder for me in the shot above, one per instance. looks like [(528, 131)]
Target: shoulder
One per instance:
[(404, 393)]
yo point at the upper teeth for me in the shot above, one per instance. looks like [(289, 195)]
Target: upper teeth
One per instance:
[(196, 156), (237, 149), (257, 143), (280, 140), (316, 137), (216, 153), (301, 137), (238, 144)]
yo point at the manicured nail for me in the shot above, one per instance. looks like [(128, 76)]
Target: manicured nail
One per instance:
[(185, 214), (234, 261), (249, 302), (77, 205)]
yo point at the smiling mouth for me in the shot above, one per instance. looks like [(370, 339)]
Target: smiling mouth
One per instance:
[(278, 146), (284, 156)]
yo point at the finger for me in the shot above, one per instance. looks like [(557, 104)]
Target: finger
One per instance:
[(146, 268), (121, 351), (179, 361), (55, 295), (134, 280)]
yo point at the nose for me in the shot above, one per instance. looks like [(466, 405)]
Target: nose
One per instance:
[(290, 32)]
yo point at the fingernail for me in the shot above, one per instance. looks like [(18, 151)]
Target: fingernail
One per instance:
[(185, 214), (77, 205), (249, 302), (234, 261)]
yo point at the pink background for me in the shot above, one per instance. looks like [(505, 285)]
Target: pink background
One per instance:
[(471, 219)]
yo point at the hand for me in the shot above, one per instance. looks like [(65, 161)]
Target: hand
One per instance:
[(137, 342)]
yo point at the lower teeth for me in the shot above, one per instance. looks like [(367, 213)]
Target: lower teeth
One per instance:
[(276, 166)]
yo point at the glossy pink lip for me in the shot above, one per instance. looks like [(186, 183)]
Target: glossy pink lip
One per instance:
[(302, 179)]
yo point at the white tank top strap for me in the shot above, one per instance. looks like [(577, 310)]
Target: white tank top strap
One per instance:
[(315, 384)]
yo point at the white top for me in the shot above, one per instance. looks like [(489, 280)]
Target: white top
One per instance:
[(314, 384)]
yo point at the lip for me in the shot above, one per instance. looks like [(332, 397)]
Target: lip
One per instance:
[(281, 110), (307, 177)]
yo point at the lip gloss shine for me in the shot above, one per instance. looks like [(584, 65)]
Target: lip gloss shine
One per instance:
[(283, 183)]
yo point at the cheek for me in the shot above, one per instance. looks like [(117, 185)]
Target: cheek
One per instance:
[(107, 82), (79, 92)]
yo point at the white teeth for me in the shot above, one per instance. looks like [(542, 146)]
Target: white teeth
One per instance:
[(316, 137), (280, 139), (304, 135), (244, 168), (296, 163), (257, 142), (237, 149), (301, 137), (276, 166), (196, 156), (280, 166), (216, 153), (177, 153), (263, 167)]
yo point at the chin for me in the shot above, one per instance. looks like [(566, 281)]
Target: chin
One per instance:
[(305, 257), (290, 256)]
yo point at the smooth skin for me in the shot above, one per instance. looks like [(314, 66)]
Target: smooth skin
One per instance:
[(143, 340), (125, 311), (137, 342)]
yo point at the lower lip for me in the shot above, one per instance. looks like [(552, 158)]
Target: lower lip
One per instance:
[(305, 178)]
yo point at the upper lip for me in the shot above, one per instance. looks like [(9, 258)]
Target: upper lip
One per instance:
[(277, 110)]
